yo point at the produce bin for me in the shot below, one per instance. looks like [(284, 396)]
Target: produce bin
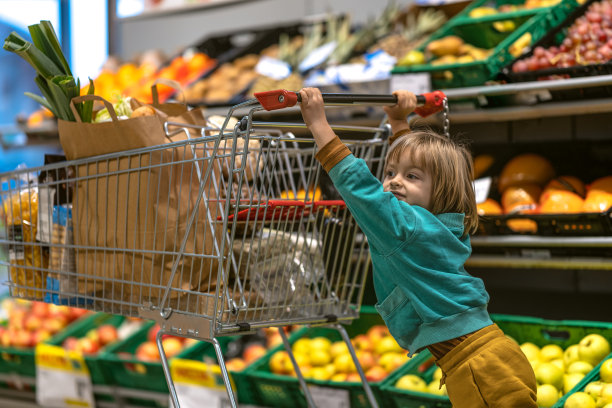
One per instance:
[(276, 390), (79, 329), (482, 33), (556, 12), (554, 38), (539, 331), (590, 377)]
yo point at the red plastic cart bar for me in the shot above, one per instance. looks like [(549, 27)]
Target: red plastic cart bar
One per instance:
[(427, 103), (284, 209)]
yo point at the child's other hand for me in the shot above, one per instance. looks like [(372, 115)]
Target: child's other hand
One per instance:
[(406, 104), (312, 106)]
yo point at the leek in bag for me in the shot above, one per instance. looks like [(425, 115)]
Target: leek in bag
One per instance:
[(54, 79)]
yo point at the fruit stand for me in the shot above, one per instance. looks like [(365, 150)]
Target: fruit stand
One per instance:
[(527, 84)]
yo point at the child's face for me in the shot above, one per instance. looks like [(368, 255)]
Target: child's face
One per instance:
[(407, 181)]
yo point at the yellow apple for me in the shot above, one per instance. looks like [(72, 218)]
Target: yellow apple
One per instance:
[(320, 343), (570, 381), (340, 377), (301, 345), (319, 357), (437, 375), (571, 354), (387, 344), (579, 367), (548, 395), (559, 363), (434, 388), (344, 364), (531, 351), (392, 360), (605, 396), (593, 348), (548, 373), (594, 388), (579, 400), (319, 373), (337, 348), (605, 371), (411, 382), (551, 352)]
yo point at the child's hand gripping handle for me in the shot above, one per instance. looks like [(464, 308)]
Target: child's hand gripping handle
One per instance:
[(427, 103)]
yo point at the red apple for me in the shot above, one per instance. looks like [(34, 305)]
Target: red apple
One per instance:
[(55, 324), (58, 310), (235, 364), (363, 342), (88, 346), (76, 313), (107, 333), (152, 333), (39, 309), (172, 346), (147, 351), (376, 374), (33, 322), (22, 339), (40, 335), (6, 338), (252, 352), (70, 343)]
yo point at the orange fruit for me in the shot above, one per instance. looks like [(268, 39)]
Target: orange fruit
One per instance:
[(489, 207), (602, 184), (597, 201), (520, 199), (482, 163), (560, 202), (528, 168), (522, 225), (568, 183)]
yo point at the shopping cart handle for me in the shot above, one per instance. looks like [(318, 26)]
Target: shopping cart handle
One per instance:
[(427, 104)]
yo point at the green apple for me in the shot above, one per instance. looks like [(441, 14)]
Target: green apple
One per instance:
[(411, 382), (551, 352), (579, 400), (579, 367), (593, 348), (434, 388), (548, 395), (594, 388), (605, 371), (570, 381), (571, 354), (531, 351), (548, 373)]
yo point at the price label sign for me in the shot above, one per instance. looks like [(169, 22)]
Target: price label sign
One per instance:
[(330, 397), (62, 378), (481, 189), (418, 82), (196, 382)]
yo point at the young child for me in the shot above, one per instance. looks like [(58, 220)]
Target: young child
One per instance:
[(417, 222)]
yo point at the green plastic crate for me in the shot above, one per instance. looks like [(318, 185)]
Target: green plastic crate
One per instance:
[(590, 377), (130, 372), (284, 391), (557, 12), (521, 328), (482, 33), (80, 329), (422, 364)]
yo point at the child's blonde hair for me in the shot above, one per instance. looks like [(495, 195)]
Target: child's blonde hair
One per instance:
[(450, 166)]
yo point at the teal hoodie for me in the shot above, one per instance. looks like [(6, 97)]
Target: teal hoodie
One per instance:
[(424, 294)]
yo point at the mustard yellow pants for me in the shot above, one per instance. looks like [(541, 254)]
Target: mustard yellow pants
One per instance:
[(488, 370)]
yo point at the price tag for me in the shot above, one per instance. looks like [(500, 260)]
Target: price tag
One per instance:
[(273, 68), (418, 82), (196, 381), (62, 378), (330, 397), (481, 189)]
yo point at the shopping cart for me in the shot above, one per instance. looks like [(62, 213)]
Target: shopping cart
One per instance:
[(222, 232)]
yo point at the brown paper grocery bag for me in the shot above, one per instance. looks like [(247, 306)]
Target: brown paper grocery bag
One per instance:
[(131, 213)]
